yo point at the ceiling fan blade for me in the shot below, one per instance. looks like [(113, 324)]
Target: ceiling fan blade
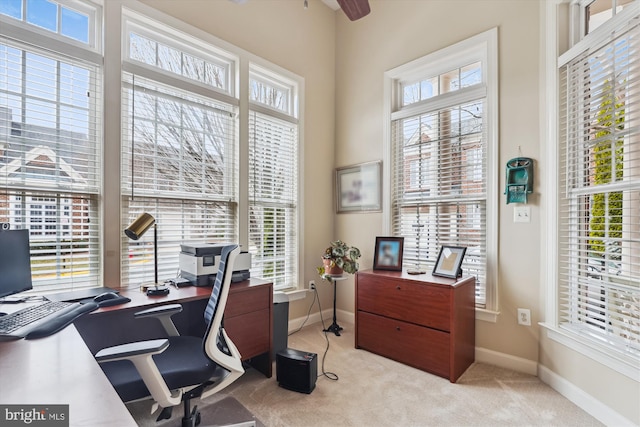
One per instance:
[(355, 9)]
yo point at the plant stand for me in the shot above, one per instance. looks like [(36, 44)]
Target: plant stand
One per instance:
[(334, 327)]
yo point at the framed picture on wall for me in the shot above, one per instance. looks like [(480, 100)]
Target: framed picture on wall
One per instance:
[(358, 188), (388, 253), (449, 261)]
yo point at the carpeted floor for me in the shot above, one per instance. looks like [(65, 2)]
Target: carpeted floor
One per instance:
[(375, 391)]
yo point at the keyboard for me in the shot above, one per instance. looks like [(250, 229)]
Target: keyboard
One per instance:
[(18, 324)]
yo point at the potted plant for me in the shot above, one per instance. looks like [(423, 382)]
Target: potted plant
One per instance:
[(339, 257)]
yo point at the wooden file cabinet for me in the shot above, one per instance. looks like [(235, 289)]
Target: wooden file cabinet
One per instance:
[(423, 321)]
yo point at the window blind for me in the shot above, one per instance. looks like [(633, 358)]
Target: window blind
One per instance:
[(179, 165), (273, 199), (599, 227), (439, 186), (50, 142)]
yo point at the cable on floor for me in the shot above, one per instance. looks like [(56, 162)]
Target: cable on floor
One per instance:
[(330, 375)]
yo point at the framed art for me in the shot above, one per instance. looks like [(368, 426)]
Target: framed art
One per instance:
[(388, 253), (449, 261), (358, 188)]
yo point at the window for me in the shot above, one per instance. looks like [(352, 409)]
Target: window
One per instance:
[(273, 175), (51, 136), (599, 187), (443, 143), (179, 150)]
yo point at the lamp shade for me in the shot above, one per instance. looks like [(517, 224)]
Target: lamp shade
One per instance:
[(140, 226)]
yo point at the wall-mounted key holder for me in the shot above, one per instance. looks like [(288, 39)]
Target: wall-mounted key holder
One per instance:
[(519, 179)]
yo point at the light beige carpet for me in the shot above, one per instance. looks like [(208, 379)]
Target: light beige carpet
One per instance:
[(374, 391)]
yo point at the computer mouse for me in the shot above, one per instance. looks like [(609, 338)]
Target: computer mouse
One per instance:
[(105, 296)]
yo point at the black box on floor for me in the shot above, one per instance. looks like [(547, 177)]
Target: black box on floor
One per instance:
[(297, 370)]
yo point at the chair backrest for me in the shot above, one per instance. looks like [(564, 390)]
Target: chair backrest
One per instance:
[(214, 311)]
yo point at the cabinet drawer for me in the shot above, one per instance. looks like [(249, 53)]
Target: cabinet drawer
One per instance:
[(251, 333), (247, 300), (423, 304), (416, 346)]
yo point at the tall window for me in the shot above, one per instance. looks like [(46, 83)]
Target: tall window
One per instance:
[(273, 176), (51, 135), (599, 230), (179, 149), (443, 139)]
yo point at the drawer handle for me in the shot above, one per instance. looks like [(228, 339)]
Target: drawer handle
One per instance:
[(397, 328), (398, 287)]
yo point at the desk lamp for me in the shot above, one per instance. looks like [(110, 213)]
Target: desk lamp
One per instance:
[(137, 229)]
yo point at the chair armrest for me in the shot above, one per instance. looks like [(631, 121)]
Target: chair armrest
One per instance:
[(140, 354), (126, 351), (163, 313)]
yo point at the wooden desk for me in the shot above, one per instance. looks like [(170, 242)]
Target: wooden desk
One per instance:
[(248, 319), (60, 370)]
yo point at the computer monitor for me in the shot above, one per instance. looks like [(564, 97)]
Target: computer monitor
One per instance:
[(15, 262)]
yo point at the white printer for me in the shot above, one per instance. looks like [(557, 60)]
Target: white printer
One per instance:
[(199, 263)]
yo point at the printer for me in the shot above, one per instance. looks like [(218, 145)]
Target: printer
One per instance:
[(199, 263)]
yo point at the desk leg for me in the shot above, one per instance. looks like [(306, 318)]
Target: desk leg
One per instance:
[(335, 328)]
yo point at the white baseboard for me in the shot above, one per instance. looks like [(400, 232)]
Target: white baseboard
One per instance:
[(583, 400), (508, 361)]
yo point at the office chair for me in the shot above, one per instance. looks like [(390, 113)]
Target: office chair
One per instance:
[(178, 368)]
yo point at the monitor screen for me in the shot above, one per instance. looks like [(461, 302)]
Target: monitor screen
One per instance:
[(15, 262)]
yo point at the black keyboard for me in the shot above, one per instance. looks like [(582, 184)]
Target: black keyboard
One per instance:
[(14, 321)]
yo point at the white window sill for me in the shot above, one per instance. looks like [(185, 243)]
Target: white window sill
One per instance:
[(620, 363), (295, 294), (487, 315)]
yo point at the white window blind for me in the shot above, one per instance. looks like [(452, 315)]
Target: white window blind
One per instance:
[(273, 180), (50, 138), (599, 224), (443, 150), (273, 194), (180, 161)]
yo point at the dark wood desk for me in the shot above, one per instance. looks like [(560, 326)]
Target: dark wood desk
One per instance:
[(248, 319), (61, 369)]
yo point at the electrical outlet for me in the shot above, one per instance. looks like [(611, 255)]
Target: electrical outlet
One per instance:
[(312, 285), (524, 316)]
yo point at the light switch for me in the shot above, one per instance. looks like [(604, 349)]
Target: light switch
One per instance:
[(522, 214)]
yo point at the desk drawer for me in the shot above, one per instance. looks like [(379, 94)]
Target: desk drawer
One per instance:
[(251, 332), (247, 300), (414, 345), (423, 304)]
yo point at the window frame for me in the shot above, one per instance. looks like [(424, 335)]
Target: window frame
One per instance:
[(559, 26), (482, 47)]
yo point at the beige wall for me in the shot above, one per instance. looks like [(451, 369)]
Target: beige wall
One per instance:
[(397, 32), (343, 63)]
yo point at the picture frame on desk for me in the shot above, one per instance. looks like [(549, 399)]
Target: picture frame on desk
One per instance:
[(449, 261), (388, 253), (358, 188)]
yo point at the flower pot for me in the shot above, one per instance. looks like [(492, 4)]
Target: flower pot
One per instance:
[(331, 271)]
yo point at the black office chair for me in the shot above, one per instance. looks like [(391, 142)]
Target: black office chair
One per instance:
[(178, 368)]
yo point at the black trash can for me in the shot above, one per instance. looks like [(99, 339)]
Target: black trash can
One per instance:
[(280, 322)]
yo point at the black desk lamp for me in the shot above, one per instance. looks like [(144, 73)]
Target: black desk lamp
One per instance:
[(137, 229)]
